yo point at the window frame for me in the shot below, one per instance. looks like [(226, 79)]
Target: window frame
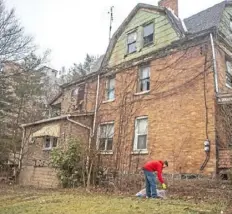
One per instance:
[(51, 141), (229, 73), (151, 42), (136, 134), (108, 90), (134, 42), (106, 138), (139, 79)]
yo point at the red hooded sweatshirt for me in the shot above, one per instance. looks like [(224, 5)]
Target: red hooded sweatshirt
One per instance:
[(155, 166)]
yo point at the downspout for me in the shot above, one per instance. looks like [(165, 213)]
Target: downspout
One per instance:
[(96, 105), (21, 150), (214, 64), (216, 90)]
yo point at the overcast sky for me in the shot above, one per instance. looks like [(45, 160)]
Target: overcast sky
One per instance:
[(72, 28)]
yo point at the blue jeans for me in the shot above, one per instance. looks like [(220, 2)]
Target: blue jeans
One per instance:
[(150, 179)]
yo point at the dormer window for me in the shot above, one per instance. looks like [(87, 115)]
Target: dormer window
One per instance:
[(131, 42), (148, 34)]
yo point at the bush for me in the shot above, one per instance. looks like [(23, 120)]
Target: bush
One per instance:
[(70, 164)]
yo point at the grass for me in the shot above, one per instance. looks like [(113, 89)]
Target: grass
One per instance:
[(31, 201)]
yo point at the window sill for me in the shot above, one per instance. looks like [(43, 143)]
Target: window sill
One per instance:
[(148, 44), (108, 101), (141, 93), (140, 152), (106, 152)]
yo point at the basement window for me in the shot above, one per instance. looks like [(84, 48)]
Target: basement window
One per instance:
[(105, 141), (131, 42), (140, 137), (148, 34), (229, 74), (50, 142), (144, 79)]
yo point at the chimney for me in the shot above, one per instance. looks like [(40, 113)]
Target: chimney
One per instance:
[(172, 4)]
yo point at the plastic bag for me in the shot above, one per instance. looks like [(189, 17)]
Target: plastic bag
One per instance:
[(160, 193)]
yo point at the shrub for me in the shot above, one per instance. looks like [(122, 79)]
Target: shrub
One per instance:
[(70, 164)]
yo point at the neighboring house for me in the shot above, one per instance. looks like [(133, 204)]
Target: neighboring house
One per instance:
[(160, 93)]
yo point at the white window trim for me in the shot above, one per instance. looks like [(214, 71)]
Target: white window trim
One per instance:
[(136, 40), (227, 68), (138, 79), (135, 143), (141, 93), (107, 89), (51, 144), (98, 135)]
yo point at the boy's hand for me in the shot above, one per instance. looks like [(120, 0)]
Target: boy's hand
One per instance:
[(164, 186)]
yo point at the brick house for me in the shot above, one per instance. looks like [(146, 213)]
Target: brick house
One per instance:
[(161, 91)]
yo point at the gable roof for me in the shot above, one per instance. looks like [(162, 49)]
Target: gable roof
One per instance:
[(175, 21), (205, 19)]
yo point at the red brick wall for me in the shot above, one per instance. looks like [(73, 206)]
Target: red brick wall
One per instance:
[(175, 107), (172, 4)]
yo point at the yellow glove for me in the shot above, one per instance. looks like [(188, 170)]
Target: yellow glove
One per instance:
[(164, 186)]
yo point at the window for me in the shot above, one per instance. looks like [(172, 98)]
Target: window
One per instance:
[(110, 88), (231, 24), (50, 142), (148, 34), (131, 42), (75, 92), (106, 137), (144, 79), (79, 92), (140, 138), (229, 74)]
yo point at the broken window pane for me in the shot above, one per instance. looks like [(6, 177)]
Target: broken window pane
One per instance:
[(148, 33)]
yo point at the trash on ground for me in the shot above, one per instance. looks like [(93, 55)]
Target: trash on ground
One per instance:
[(160, 193)]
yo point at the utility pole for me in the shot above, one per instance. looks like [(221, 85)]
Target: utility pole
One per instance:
[(111, 20)]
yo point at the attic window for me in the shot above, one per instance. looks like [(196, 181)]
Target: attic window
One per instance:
[(148, 34), (131, 42)]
